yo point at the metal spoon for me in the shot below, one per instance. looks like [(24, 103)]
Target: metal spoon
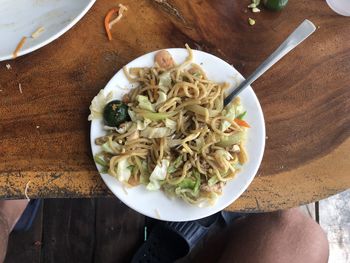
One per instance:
[(304, 30)]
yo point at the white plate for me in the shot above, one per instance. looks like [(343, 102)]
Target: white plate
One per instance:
[(157, 204), (21, 18)]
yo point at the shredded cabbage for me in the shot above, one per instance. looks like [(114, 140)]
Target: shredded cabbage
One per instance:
[(175, 164), (170, 124), (189, 187), (98, 103), (158, 175), (203, 111), (151, 132), (187, 183), (224, 154), (123, 128), (144, 177), (213, 180), (162, 97), (107, 148), (199, 143), (165, 82), (154, 116), (235, 138), (133, 116), (174, 142), (100, 159), (144, 103), (141, 125), (239, 110), (123, 170), (230, 113)]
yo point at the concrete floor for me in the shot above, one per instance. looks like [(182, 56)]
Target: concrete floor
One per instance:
[(334, 218)]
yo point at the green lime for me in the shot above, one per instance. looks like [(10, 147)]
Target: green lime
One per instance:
[(275, 4), (115, 113)]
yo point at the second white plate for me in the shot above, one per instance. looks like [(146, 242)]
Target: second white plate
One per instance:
[(22, 17)]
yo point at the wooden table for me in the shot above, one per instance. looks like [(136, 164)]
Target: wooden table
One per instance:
[(44, 132)]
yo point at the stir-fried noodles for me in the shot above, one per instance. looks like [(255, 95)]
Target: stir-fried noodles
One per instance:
[(179, 137)]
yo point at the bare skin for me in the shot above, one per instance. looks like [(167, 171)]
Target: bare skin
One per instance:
[(10, 212), (280, 237)]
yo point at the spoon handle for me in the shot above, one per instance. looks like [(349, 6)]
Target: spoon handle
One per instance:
[(304, 30)]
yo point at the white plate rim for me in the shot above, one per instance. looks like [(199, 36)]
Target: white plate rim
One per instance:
[(47, 41), (154, 214)]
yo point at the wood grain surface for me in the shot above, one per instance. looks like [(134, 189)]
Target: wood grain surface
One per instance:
[(44, 132)]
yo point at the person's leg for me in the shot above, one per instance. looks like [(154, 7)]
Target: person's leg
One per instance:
[(10, 212), (286, 236)]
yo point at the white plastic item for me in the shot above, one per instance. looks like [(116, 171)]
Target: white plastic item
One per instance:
[(342, 7)]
